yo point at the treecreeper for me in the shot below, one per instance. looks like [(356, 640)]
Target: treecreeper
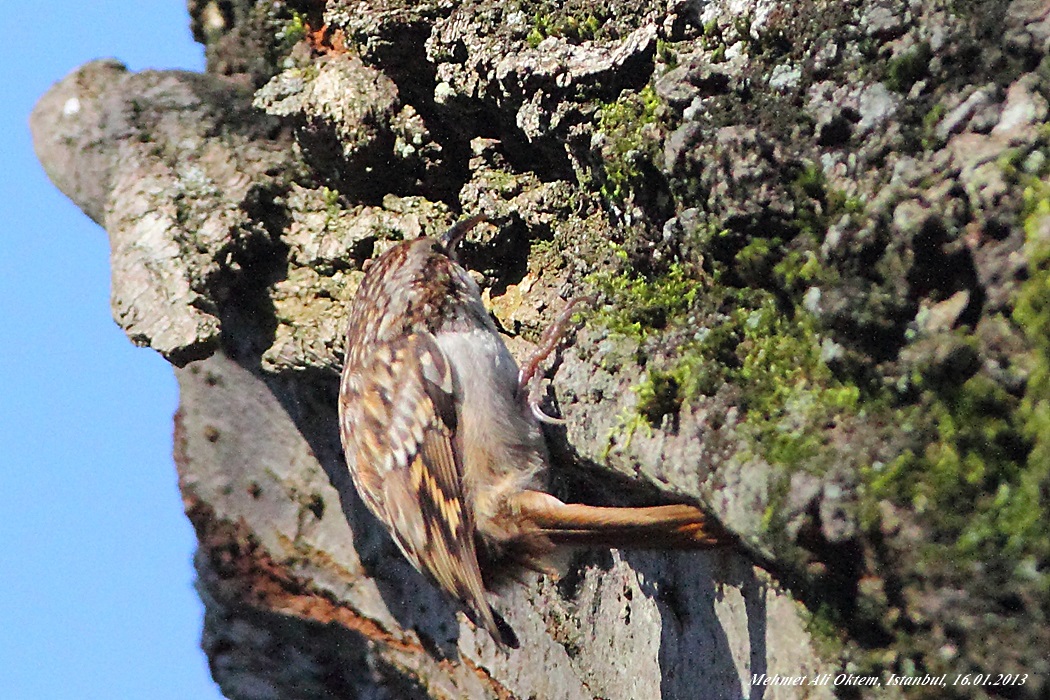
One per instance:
[(444, 443)]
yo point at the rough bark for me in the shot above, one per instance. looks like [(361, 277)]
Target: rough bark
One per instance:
[(819, 233)]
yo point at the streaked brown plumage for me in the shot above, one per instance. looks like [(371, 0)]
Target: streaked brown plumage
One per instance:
[(441, 441)]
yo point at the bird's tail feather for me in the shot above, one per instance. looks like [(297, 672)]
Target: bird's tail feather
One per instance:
[(655, 527)]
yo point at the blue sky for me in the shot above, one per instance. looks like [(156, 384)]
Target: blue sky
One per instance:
[(96, 578)]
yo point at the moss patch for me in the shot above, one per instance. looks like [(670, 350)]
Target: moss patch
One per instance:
[(977, 477), (789, 392), (970, 460), (642, 306), (905, 70), (630, 141), (575, 28)]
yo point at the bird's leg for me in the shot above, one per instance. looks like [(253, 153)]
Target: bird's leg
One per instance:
[(528, 384)]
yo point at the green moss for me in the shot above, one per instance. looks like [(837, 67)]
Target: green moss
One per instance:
[(534, 37), (642, 305), (817, 206), (929, 125), (787, 389), (501, 181), (1023, 516), (628, 423), (976, 445), (811, 181), (575, 28), (786, 262), (980, 473), (772, 357), (1011, 162), (629, 142), (824, 626), (743, 324), (1014, 514), (666, 53), (695, 372), (659, 395), (291, 33), (331, 203), (754, 262), (742, 25), (799, 269), (907, 69)]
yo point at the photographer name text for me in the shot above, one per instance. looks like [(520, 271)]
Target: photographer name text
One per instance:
[(848, 679)]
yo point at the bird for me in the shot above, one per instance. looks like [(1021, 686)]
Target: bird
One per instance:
[(443, 438)]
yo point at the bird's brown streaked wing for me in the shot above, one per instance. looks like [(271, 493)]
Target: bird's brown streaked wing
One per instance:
[(409, 399)]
